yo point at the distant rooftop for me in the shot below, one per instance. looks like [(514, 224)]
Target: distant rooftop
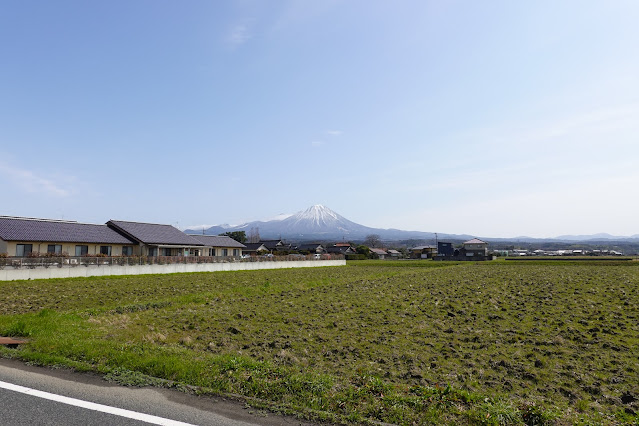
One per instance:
[(217, 241), (475, 241), (378, 251)]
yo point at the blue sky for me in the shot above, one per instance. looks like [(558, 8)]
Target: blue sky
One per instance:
[(495, 119)]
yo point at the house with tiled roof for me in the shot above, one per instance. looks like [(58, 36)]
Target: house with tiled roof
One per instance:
[(219, 245), (22, 237), (267, 246), (475, 248), (379, 253), (423, 252), (276, 245), (255, 248), (394, 254), (341, 248), (313, 248), (156, 239)]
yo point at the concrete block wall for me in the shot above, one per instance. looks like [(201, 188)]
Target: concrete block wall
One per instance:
[(92, 271)]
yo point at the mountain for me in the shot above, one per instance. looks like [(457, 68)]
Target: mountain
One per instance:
[(320, 223), (316, 222), (321, 220), (595, 237)]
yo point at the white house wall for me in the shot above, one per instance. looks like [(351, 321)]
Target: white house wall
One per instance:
[(41, 247)]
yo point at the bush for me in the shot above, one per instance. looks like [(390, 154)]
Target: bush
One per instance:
[(361, 249), (49, 254), (356, 257)]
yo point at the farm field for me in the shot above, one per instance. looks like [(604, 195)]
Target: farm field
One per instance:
[(412, 342)]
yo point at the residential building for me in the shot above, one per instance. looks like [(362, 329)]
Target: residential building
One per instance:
[(255, 248), (341, 248), (25, 237), (475, 248), (218, 245), (313, 248), (157, 240), (268, 246), (445, 249), (394, 254), (276, 245), (22, 237), (379, 253), (423, 252)]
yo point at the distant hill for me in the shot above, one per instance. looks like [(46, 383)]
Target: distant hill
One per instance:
[(596, 237)]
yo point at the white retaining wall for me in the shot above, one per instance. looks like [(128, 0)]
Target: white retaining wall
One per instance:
[(176, 268)]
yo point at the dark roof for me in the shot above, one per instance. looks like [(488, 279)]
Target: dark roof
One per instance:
[(253, 246), (47, 230), (153, 233), (217, 241), (274, 244), (340, 249), (312, 246)]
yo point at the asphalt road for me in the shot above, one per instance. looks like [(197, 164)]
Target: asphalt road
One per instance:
[(26, 392)]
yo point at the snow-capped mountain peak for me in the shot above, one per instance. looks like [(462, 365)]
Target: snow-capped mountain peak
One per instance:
[(318, 215), (319, 219)]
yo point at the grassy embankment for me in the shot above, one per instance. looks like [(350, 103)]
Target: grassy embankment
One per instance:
[(399, 342)]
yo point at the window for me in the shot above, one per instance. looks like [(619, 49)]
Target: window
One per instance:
[(105, 250), (23, 250), (81, 250), (225, 252), (166, 252), (127, 251), (153, 251), (236, 252), (212, 252), (54, 248)]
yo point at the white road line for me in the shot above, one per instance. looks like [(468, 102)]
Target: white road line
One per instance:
[(93, 406)]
